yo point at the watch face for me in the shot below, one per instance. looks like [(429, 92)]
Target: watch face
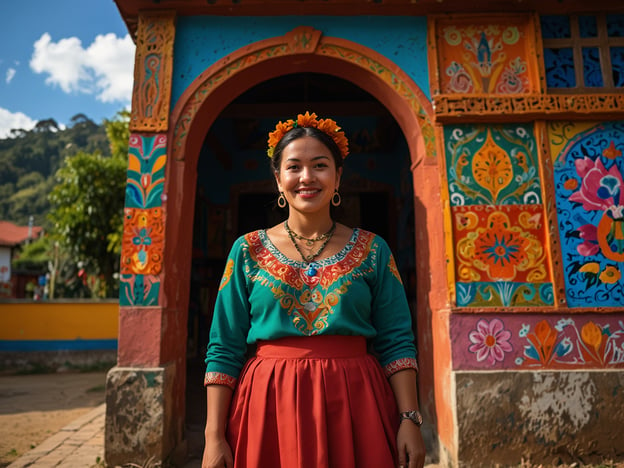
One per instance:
[(413, 416)]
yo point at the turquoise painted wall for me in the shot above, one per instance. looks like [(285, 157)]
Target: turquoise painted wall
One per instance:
[(201, 41)]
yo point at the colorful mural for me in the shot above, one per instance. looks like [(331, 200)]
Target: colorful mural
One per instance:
[(141, 258), (537, 342), (142, 247), (589, 185), (485, 57), (499, 228), (147, 157), (492, 165)]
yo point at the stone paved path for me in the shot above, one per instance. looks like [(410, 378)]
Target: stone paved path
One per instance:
[(80, 444)]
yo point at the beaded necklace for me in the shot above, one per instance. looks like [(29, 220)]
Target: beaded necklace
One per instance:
[(309, 242)]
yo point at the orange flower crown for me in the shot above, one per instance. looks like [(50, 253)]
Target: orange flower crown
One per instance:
[(328, 126)]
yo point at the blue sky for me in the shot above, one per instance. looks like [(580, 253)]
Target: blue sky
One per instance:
[(59, 58)]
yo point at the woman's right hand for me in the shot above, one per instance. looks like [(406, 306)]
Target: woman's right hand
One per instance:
[(217, 453)]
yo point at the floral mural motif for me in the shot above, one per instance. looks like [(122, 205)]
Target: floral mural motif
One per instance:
[(502, 244), (501, 259), (143, 241), (483, 58), (147, 157), (536, 341), (490, 341), (589, 185), (567, 344), (499, 228), (492, 165), (143, 232)]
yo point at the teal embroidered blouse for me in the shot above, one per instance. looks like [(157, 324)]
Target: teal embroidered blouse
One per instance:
[(264, 295)]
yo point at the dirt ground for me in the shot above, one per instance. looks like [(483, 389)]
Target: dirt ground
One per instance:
[(35, 407)]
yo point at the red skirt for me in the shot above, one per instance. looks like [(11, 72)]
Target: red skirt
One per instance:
[(313, 402)]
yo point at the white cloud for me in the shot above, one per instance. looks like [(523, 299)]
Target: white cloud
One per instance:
[(14, 120), (10, 74), (105, 68)]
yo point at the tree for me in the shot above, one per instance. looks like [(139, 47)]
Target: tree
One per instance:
[(118, 133), (87, 215)]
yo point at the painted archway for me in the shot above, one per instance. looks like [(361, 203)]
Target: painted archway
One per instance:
[(305, 50)]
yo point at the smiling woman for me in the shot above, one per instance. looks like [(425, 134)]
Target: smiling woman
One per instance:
[(310, 293)]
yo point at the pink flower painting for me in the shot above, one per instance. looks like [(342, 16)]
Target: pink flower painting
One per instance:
[(600, 189), (490, 341)]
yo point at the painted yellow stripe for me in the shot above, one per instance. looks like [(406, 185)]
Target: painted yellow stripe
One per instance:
[(58, 320)]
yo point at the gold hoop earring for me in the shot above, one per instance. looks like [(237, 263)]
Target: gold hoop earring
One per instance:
[(281, 200), (336, 198)]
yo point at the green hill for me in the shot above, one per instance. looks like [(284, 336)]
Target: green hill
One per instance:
[(30, 159)]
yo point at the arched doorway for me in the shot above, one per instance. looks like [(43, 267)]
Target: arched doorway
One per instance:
[(305, 51), (235, 192)]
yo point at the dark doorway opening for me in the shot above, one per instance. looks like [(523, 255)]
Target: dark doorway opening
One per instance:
[(236, 194)]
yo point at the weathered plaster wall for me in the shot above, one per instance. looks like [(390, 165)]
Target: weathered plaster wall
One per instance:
[(546, 417), (202, 41)]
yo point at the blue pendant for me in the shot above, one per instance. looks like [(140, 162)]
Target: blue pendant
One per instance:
[(312, 271)]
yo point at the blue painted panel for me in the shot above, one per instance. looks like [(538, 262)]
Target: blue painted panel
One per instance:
[(589, 187), (201, 41)]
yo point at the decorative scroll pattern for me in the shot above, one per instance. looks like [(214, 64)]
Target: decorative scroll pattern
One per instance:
[(147, 158), (490, 56), (143, 241), (536, 342), (152, 74), (589, 185), (449, 107), (286, 46), (492, 165)]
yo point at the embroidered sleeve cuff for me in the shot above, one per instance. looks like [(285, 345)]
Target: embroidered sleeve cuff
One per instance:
[(400, 364), (219, 378)]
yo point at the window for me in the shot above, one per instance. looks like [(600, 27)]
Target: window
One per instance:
[(583, 53)]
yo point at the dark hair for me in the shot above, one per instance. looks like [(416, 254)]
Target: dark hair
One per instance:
[(300, 132)]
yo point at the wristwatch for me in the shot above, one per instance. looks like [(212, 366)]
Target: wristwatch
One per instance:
[(413, 416)]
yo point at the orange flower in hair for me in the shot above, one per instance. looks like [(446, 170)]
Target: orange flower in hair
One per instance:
[(328, 126)]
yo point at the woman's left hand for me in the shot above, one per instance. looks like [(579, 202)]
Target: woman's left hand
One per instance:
[(410, 445)]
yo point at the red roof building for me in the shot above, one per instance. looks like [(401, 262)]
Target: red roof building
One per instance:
[(12, 235)]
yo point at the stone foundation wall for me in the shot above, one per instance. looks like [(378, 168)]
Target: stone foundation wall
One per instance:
[(544, 417), (138, 415)]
